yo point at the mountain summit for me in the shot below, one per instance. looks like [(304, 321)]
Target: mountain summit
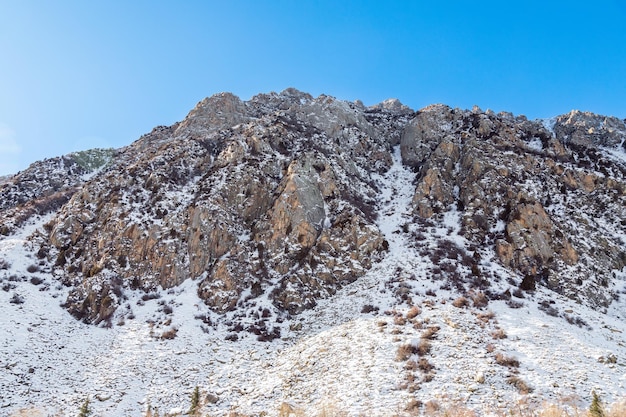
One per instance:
[(270, 211)]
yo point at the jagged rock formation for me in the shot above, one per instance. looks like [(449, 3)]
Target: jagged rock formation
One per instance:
[(550, 204), (272, 196), (275, 198)]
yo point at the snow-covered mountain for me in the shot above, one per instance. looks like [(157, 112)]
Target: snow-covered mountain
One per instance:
[(293, 255)]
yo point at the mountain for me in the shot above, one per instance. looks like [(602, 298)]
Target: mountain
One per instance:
[(288, 253)]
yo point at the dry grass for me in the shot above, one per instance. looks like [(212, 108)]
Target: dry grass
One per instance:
[(28, 412), (423, 347), (520, 384), (461, 302), (499, 334), (486, 316), (433, 408), (508, 361), (424, 365), (169, 334), (399, 321), (618, 409), (405, 351), (413, 312), (480, 300), (430, 333)]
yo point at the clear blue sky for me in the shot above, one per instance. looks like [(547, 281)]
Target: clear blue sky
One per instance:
[(81, 74)]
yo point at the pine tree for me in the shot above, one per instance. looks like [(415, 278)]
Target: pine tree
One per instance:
[(596, 409), (195, 401), (85, 411)]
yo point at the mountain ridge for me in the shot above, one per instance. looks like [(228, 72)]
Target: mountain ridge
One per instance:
[(285, 209)]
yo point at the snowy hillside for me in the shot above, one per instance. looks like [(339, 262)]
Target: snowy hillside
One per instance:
[(404, 271)]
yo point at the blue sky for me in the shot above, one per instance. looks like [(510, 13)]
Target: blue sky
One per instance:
[(81, 74)]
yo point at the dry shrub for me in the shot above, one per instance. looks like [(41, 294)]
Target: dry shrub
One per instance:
[(404, 352), (169, 334), (368, 308), (480, 300), (413, 406), (499, 334), (509, 361), (424, 365), (490, 347), (485, 317), (410, 365), (459, 411), (399, 320), (430, 333), (431, 407), (618, 409), (288, 410), (413, 312), (552, 410), (423, 347), (460, 302), (428, 377), (520, 384)]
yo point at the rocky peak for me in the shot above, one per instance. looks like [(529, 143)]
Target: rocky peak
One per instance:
[(219, 111), (588, 129)]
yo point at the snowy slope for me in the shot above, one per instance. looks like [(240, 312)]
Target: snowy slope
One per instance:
[(341, 355)]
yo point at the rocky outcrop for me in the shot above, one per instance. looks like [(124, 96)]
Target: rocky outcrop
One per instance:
[(272, 196), (588, 129), (46, 185), (539, 199), (275, 200)]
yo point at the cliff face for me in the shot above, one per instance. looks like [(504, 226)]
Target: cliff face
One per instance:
[(277, 198), (548, 199), (273, 196)]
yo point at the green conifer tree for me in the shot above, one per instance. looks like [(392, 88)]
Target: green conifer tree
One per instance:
[(195, 401), (85, 410), (596, 409)]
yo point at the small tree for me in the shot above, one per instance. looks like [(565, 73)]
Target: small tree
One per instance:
[(596, 409), (85, 411), (195, 401)]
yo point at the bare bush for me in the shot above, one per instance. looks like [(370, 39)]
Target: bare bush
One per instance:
[(480, 300), (499, 334), (169, 334), (460, 302), (520, 384), (399, 320), (424, 365), (430, 333), (514, 304), (485, 317), (405, 351), (413, 312), (508, 361), (368, 308), (423, 347), (410, 365)]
